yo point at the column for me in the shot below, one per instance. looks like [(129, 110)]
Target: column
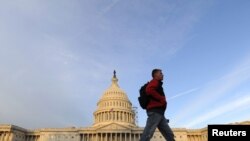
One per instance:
[(81, 137), (1, 136), (130, 137), (97, 117), (120, 136), (7, 136), (125, 136), (115, 136), (4, 136), (204, 138), (130, 118), (11, 136)]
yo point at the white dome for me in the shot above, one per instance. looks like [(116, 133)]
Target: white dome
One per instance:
[(114, 92), (114, 106)]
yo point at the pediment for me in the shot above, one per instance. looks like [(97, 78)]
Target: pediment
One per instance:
[(113, 126)]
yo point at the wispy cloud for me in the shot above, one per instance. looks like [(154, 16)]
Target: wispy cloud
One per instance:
[(216, 89), (230, 106), (110, 6), (69, 56), (183, 93)]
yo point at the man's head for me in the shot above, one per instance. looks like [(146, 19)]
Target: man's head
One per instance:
[(157, 74)]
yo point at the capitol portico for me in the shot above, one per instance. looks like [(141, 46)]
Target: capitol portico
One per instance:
[(114, 120)]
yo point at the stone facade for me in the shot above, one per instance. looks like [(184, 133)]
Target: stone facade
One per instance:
[(114, 120)]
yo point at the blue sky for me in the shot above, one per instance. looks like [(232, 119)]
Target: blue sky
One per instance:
[(57, 58)]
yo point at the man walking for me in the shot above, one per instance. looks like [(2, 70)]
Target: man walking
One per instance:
[(156, 109)]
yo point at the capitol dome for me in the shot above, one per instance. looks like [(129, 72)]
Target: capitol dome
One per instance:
[(114, 107)]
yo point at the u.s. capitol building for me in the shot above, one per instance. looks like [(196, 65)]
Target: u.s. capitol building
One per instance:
[(114, 120)]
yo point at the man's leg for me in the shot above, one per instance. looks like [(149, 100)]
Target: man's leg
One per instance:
[(165, 130), (152, 122)]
